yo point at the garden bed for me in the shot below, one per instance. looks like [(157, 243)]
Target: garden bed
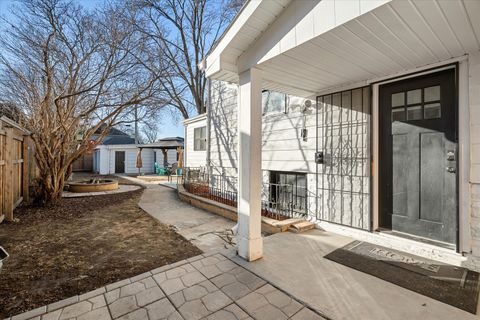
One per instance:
[(80, 245)]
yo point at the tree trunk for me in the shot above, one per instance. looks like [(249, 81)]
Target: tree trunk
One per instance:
[(51, 188)]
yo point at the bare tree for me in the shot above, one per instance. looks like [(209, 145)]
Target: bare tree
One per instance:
[(178, 34), (71, 73), (150, 131)]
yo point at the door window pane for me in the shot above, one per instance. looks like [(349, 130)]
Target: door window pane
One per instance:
[(432, 111), (414, 113), (398, 99), (431, 94), (414, 96), (398, 114)]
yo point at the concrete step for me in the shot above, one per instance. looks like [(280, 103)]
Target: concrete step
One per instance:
[(301, 226)]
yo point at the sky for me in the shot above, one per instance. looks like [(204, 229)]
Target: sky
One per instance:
[(168, 127)]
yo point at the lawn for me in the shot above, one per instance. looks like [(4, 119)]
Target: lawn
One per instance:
[(80, 245)]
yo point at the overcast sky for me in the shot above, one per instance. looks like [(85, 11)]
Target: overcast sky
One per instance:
[(168, 127)]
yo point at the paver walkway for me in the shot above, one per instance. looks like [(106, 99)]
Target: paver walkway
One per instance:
[(209, 286)]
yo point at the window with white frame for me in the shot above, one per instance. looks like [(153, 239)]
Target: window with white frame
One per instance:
[(200, 139), (274, 102)]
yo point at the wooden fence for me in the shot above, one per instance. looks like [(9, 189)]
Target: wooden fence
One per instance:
[(14, 164)]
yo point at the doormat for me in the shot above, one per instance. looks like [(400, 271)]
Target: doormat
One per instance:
[(456, 286)]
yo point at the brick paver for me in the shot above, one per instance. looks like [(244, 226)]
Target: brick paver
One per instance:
[(208, 287)]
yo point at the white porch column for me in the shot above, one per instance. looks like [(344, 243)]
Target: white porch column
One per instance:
[(250, 245)]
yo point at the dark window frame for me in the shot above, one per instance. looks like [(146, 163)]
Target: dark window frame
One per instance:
[(275, 177)]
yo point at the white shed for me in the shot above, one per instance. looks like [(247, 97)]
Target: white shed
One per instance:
[(109, 159)]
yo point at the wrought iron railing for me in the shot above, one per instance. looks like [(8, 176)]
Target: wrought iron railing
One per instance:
[(279, 200), (284, 200)]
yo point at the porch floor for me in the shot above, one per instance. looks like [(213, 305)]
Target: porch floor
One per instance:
[(295, 263)]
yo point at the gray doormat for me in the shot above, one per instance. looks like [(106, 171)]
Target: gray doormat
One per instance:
[(453, 285)]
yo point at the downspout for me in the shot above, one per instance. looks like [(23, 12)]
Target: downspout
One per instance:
[(208, 105), (185, 144)]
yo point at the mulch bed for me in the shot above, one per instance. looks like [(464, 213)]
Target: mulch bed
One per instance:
[(80, 245)]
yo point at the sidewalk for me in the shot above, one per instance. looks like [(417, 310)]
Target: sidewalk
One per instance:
[(207, 231), (204, 287)]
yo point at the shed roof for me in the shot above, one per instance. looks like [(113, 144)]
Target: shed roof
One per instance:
[(165, 143)]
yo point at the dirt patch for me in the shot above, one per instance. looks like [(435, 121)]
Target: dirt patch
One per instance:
[(80, 245)]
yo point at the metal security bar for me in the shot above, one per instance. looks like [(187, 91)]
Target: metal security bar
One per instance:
[(343, 179), (284, 202), (281, 202)]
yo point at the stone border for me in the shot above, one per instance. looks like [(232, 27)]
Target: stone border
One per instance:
[(268, 225), (121, 189), (81, 187)]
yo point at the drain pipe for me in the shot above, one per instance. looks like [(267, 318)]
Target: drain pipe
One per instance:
[(208, 106)]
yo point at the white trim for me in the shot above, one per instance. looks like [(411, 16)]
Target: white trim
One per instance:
[(464, 145), (200, 117), (438, 66), (463, 142), (117, 146)]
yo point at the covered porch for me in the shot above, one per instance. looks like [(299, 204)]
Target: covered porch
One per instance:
[(337, 291), (311, 49)]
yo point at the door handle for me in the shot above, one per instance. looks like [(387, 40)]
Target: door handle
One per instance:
[(451, 169)]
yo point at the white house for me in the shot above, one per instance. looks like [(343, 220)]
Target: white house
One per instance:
[(195, 141), (387, 145)]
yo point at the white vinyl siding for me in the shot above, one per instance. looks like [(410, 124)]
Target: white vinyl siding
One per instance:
[(194, 158), (223, 129), (282, 146)]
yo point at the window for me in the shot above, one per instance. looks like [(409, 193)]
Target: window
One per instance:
[(200, 139), (273, 102), (289, 188), (420, 104)]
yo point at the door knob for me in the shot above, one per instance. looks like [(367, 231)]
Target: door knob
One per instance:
[(451, 169)]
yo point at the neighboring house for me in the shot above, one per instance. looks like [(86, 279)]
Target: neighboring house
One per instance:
[(370, 108), (196, 141)]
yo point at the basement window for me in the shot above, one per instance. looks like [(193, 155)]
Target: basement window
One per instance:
[(289, 188)]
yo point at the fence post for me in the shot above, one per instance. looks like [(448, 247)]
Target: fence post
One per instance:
[(25, 171), (8, 175)]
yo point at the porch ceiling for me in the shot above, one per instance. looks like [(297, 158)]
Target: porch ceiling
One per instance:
[(397, 36)]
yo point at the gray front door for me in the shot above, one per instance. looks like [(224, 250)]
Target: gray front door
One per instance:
[(418, 156), (119, 161)]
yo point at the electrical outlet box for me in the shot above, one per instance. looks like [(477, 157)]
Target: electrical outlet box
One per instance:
[(319, 157)]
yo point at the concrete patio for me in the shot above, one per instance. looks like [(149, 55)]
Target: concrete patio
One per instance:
[(296, 264)]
